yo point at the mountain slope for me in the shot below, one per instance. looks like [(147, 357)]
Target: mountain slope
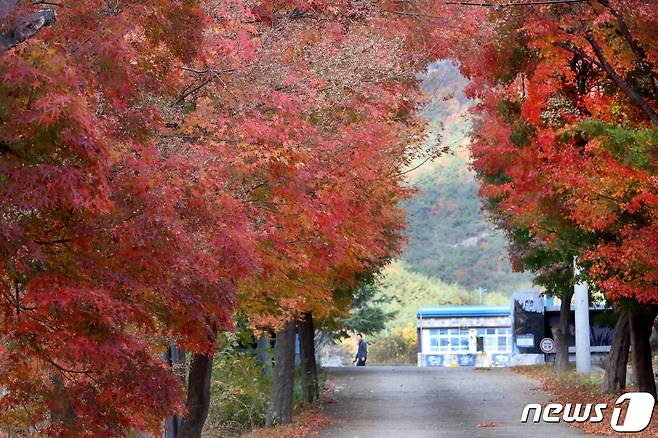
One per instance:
[(448, 235)]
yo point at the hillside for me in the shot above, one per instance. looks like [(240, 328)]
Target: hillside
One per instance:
[(408, 291), (448, 235), (451, 250), (449, 238)]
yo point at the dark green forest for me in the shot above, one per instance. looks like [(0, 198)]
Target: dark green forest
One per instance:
[(449, 237)]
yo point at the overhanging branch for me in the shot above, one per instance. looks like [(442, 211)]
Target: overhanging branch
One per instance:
[(624, 86), (575, 50), (26, 28)]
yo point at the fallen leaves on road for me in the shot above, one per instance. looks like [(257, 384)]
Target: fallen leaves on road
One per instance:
[(487, 425), (569, 387), (307, 423)]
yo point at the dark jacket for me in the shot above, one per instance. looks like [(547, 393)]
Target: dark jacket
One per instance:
[(363, 349)]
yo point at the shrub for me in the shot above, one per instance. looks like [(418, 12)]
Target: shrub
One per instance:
[(398, 347), (240, 388), (239, 391)]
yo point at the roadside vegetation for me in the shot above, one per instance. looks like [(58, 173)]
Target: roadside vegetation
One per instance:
[(398, 346), (240, 386), (240, 391)]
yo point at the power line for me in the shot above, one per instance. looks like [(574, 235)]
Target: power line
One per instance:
[(505, 5)]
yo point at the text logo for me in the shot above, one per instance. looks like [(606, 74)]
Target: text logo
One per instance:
[(639, 410)]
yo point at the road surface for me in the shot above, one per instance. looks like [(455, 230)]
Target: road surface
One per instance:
[(410, 402)]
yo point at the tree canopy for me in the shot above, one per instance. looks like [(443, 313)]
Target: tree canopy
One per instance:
[(164, 164)]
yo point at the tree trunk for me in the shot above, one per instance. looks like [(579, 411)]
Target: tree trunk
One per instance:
[(562, 341), (64, 412), (198, 396), (283, 378), (309, 371), (614, 380), (641, 326)]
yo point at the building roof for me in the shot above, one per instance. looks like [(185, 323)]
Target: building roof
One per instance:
[(456, 311)]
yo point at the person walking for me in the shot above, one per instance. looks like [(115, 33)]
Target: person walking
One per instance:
[(362, 352)]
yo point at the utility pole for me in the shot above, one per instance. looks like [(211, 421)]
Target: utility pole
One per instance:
[(481, 291), (581, 301)]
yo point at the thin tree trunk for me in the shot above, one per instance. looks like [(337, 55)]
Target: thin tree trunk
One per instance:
[(562, 341), (63, 413), (264, 354), (283, 378), (309, 370), (641, 325), (198, 396), (614, 379), (175, 357)]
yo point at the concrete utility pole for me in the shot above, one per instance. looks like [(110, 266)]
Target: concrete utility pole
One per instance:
[(581, 301), (481, 291)]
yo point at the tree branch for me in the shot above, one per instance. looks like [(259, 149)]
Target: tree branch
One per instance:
[(257, 186), (645, 65), (52, 242), (414, 14), (26, 28), (511, 4), (632, 94), (577, 51), (189, 91)]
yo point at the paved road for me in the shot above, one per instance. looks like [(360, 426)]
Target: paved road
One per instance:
[(409, 402)]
